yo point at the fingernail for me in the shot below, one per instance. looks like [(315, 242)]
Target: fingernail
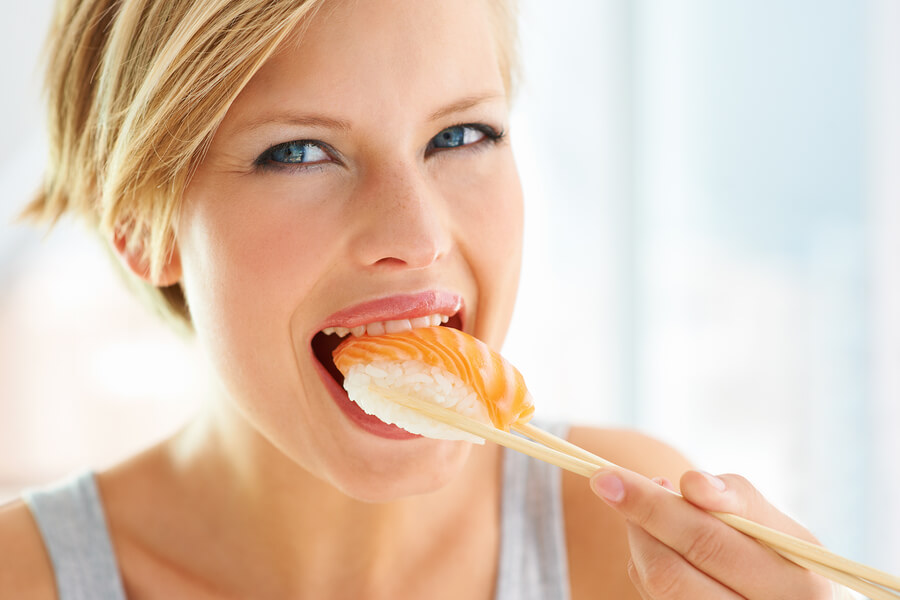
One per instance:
[(714, 481), (609, 487), (663, 482), (630, 568)]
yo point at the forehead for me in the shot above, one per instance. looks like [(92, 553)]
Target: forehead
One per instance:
[(378, 57)]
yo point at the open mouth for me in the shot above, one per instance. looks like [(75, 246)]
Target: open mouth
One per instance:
[(324, 342)]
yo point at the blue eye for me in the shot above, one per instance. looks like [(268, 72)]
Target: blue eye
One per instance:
[(459, 135), (298, 152)]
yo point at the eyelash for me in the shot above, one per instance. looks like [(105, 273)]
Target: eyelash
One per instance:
[(491, 136), (265, 162)]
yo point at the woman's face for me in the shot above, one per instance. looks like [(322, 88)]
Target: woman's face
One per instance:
[(363, 176)]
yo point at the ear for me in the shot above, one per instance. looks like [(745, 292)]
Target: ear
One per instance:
[(134, 260)]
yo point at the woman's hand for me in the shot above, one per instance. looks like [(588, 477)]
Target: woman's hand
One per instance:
[(680, 551)]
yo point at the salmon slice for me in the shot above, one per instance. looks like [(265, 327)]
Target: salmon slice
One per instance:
[(499, 386)]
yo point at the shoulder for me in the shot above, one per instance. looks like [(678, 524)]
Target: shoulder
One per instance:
[(632, 450), (25, 568), (595, 535)]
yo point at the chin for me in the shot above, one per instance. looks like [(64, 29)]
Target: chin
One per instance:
[(399, 475)]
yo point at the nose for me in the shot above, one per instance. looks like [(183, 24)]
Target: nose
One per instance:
[(401, 221)]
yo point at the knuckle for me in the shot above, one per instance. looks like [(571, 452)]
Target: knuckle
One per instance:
[(660, 577), (705, 548)]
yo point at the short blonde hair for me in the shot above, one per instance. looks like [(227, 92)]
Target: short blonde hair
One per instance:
[(136, 90)]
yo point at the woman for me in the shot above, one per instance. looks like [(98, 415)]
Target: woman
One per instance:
[(269, 169)]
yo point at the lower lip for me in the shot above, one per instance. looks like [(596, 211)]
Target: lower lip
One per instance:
[(358, 416)]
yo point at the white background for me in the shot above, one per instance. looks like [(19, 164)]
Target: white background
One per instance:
[(713, 224)]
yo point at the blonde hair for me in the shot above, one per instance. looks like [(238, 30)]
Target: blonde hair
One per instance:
[(136, 90)]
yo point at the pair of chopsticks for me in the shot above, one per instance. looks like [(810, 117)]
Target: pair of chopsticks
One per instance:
[(875, 584)]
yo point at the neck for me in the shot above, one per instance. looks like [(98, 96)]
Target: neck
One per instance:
[(301, 534)]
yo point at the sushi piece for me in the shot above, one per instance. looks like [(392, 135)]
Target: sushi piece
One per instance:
[(438, 364)]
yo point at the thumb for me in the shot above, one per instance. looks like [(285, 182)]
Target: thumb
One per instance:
[(734, 494)]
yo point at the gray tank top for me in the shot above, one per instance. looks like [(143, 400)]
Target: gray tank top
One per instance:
[(533, 564)]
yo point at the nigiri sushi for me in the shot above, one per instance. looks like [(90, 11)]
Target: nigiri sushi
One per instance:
[(438, 364)]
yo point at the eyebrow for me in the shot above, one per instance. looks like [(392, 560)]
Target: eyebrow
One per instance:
[(463, 104), (298, 120), (321, 121)]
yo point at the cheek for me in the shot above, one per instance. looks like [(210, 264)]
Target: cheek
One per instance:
[(252, 246), (504, 260), (250, 258), (485, 197), (488, 213)]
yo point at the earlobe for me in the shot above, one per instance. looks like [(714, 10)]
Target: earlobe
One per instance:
[(135, 261)]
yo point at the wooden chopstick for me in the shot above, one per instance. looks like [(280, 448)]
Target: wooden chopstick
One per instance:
[(489, 432), (871, 591), (568, 456), (793, 546), (771, 537), (856, 576), (565, 446)]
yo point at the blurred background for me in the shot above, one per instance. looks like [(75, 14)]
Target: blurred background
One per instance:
[(713, 219)]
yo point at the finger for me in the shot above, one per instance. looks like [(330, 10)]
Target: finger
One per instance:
[(636, 581), (740, 497), (661, 573), (726, 555)]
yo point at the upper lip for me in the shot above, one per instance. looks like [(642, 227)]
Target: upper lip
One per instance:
[(401, 306)]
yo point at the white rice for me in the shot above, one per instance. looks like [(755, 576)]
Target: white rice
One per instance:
[(414, 378)]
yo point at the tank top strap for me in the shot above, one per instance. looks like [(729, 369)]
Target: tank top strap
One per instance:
[(71, 520), (533, 562)]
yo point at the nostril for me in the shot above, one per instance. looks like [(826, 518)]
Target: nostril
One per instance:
[(412, 258), (390, 261)]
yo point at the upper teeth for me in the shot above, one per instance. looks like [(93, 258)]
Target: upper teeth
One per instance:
[(381, 327)]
